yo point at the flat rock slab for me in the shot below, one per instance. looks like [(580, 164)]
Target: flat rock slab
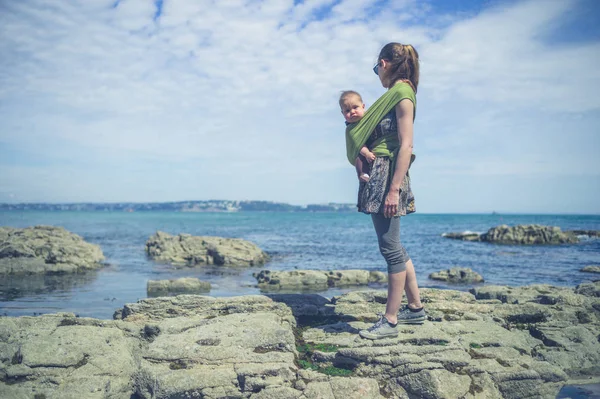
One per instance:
[(316, 279), (185, 285), (457, 275), (46, 249), (495, 342), (188, 250)]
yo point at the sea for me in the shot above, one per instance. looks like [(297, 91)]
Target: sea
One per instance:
[(294, 241)]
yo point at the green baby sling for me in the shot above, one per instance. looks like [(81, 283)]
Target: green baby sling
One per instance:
[(358, 133)]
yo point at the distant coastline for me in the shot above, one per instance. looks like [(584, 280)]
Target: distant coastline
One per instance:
[(182, 206)]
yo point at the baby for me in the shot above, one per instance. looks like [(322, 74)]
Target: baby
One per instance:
[(353, 109)]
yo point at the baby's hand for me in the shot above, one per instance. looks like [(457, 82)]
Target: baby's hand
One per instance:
[(370, 157), (364, 178)]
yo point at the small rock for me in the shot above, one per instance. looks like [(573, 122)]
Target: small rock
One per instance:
[(316, 279), (585, 233), (591, 269), (465, 236), (459, 275), (180, 285)]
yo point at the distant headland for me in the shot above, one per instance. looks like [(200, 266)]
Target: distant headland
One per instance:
[(182, 206)]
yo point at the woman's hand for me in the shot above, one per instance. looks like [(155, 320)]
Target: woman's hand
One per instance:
[(370, 157), (390, 208)]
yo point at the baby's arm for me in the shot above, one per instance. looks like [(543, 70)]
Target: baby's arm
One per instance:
[(358, 163), (369, 156)]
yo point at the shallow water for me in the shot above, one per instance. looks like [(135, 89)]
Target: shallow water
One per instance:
[(323, 241)]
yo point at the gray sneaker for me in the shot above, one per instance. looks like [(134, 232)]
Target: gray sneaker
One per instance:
[(407, 316), (379, 330)]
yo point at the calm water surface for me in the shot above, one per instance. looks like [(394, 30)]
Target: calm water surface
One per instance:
[(323, 241)]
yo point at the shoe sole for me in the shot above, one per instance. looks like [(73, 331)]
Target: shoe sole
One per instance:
[(375, 337), (419, 320)]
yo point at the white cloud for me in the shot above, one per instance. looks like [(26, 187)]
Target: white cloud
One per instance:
[(248, 90)]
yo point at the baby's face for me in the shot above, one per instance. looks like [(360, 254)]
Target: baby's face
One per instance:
[(353, 108)]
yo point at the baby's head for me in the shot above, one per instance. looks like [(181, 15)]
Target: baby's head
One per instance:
[(352, 106)]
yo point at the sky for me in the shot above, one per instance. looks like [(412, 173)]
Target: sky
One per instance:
[(173, 100)]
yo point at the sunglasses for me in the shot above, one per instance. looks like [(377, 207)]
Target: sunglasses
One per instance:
[(376, 68)]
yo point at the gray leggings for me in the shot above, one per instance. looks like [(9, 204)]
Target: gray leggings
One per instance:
[(388, 235)]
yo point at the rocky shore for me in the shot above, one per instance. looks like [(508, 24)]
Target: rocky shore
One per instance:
[(492, 342), (46, 249)]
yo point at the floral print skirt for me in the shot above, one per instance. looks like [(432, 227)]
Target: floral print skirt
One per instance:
[(371, 195)]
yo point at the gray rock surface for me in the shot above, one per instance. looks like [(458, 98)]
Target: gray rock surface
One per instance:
[(46, 249), (591, 269), (532, 234), (188, 250), (457, 275), (188, 285), (316, 279), (495, 342)]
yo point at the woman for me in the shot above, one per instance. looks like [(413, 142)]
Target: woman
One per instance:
[(387, 195)]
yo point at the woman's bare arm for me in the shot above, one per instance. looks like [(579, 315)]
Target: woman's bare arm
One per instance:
[(404, 117)]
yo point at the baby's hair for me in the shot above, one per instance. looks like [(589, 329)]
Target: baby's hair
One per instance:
[(347, 93)]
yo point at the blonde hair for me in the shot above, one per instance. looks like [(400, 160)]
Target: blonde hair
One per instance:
[(404, 64), (347, 93)]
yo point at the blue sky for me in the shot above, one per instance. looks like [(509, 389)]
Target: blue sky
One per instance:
[(139, 100)]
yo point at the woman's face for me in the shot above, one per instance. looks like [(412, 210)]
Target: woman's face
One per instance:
[(381, 69)]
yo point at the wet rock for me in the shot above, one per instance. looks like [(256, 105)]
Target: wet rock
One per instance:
[(457, 275), (46, 249), (188, 285), (591, 269), (528, 235), (188, 250), (585, 233), (521, 235), (316, 279), (464, 236)]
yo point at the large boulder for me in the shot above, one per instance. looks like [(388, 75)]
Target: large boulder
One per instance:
[(528, 235), (188, 250), (316, 279), (46, 249), (185, 285), (457, 275)]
